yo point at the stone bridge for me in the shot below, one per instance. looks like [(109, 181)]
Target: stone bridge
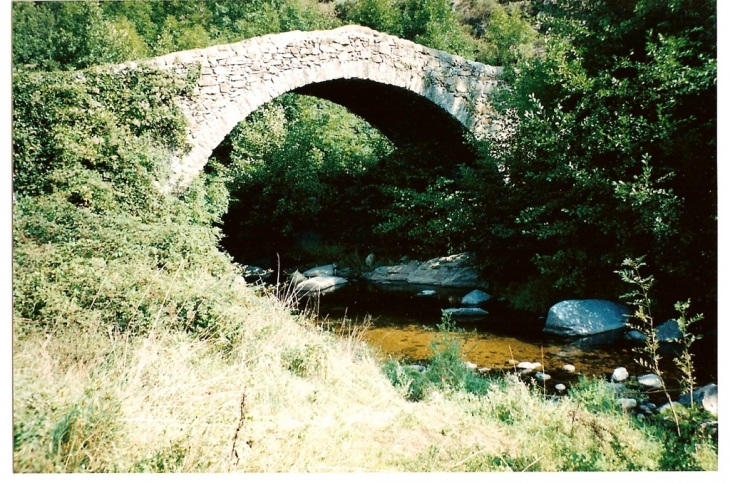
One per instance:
[(406, 90)]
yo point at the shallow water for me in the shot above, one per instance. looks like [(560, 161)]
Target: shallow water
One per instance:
[(401, 324)]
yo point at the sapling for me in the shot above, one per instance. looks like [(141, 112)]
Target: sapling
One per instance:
[(648, 353), (684, 359)]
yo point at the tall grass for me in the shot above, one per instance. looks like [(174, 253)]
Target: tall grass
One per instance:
[(290, 395)]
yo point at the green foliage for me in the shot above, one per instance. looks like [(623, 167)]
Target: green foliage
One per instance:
[(607, 151), (87, 120), (446, 370), (74, 35), (684, 360), (71, 437)]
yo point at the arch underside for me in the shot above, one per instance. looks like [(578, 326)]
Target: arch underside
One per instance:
[(406, 118)]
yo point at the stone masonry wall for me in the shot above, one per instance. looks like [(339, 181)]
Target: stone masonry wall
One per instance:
[(238, 78)]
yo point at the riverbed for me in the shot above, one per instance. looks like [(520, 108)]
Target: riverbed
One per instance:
[(399, 322)]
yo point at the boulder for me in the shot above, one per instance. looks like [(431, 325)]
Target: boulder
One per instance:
[(585, 317), (634, 336), (319, 285), (475, 297), (560, 387), (651, 381), (466, 312), (668, 331), (626, 403), (706, 395), (452, 271), (470, 365), (323, 271), (620, 374), (296, 278), (393, 273)]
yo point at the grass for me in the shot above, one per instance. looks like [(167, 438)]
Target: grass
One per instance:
[(291, 396)]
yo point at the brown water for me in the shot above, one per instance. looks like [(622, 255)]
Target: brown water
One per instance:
[(402, 325)]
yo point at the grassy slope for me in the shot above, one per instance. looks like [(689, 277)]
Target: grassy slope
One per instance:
[(89, 401)]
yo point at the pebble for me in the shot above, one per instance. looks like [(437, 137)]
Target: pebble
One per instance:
[(483, 370), (527, 366), (542, 377), (560, 387), (569, 368), (470, 365)]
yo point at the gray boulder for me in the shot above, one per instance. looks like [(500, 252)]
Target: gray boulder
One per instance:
[(634, 336), (297, 277), (620, 374), (651, 381), (706, 395), (626, 403), (668, 331), (323, 271), (393, 273), (475, 297), (316, 285), (452, 271), (585, 317)]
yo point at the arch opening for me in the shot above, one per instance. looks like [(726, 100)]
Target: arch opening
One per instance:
[(352, 212)]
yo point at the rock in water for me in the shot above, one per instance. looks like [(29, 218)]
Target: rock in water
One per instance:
[(393, 273), (296, 278), (527, 366), (585, 317), (568, 368), (452, 271), (319, 285), (542, 377), (323, 271), (467, 312), (475, 297)]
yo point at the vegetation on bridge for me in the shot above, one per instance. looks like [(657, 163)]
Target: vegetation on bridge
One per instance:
[(127, 313)]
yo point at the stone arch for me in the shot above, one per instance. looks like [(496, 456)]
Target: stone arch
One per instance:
[(236, 79)]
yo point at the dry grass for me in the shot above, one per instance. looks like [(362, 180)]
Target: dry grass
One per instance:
[(289, 397)]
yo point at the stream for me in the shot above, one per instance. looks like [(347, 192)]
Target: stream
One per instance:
[(400, 323)]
